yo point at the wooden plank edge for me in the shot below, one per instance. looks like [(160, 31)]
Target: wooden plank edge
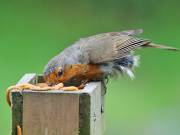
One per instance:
[(17, 111)]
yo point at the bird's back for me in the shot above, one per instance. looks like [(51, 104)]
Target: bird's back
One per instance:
[(110, 46)]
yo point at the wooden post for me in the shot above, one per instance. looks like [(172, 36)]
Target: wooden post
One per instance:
[(58, 112)]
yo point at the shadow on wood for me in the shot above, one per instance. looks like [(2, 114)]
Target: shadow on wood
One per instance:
[(58, 112)]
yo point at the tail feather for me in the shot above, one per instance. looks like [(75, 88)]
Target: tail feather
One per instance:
[(162, 47)]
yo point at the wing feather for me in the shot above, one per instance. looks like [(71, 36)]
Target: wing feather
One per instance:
[(110, 46)]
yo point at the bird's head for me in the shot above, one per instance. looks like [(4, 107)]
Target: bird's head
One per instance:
[(53, 72)]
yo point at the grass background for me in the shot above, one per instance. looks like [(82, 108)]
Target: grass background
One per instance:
[(33, 31)]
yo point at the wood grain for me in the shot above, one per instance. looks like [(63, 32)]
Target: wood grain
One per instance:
[(50, 114), (17, 103)]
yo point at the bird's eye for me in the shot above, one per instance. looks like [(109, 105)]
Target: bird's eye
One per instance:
[(60, 72)]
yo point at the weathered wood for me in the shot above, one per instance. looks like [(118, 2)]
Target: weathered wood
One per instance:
[(17, 103), (28, 78), (96, 116), (60, 112), (51, 114)]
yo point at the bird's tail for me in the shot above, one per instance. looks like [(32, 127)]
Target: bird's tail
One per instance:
[(128, 63), (161, 47)]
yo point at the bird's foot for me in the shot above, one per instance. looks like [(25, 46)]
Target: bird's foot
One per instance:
[(83, 84)]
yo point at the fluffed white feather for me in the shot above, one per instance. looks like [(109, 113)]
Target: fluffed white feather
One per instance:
[(136, 61), (128, 72)]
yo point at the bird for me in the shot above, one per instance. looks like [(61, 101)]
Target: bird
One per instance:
[(98, 57), (94, 58)]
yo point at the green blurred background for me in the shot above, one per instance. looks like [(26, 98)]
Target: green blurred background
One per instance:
[(32, 32)]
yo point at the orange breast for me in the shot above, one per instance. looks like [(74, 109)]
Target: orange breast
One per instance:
[(81, 72)]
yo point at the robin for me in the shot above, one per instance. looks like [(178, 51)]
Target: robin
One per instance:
[(98, 57), (95, 58)]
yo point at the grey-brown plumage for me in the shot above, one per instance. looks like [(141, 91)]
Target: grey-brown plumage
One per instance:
[(111, 51)]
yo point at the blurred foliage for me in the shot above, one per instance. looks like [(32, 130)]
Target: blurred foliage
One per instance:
[(33, 31)]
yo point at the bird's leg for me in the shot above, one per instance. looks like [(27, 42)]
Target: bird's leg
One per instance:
[(104, 83), (83, 84)]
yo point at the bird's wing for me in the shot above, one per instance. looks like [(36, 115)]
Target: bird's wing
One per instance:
[(110, 46)]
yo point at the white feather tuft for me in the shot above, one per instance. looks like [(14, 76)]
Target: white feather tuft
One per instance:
[(128, 72), (136, 61)]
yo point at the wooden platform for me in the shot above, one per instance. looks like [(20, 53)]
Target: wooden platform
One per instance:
[(58, 112)]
